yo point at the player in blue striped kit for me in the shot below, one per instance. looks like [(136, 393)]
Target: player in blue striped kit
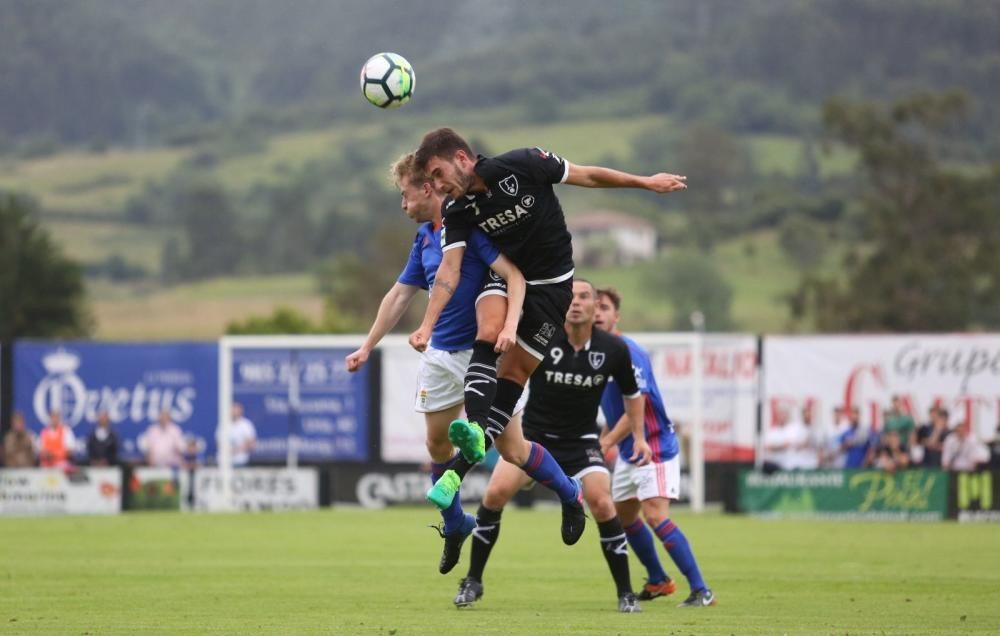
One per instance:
[(647, 489)]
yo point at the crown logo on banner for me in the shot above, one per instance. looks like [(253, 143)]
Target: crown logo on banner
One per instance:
[(61, 362)]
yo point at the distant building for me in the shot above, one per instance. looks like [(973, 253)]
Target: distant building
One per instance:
[(604, 237)]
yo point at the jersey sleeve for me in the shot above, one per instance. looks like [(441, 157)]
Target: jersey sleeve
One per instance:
[(624, 373), (541, 165), (413, 273), (457, 227), (481, 245)]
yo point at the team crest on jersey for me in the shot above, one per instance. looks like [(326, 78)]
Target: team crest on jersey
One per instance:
[(509, 185), (596, 359), (527, 200)]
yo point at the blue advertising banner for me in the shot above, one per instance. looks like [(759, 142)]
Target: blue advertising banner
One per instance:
[(133, 382), (305, 393)]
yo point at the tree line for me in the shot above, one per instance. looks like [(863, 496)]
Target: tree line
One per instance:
[(100, 71)]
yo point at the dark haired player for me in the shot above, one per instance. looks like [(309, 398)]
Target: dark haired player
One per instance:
[(563, 398), (510, 197), (647, 488), (478, 311)]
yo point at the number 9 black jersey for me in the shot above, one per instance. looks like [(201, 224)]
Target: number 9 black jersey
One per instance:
[(519, 212), (566, 389)]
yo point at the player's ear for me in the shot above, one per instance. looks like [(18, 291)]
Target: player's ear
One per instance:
[(427, 188)]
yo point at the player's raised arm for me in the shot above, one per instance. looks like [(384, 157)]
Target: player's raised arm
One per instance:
[(390, 310), (445, 283), (599, 177), (516, 289)]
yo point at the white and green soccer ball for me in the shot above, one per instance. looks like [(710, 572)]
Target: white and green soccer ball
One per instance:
[(387, 80)]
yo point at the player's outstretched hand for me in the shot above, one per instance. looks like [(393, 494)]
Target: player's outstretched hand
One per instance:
[(641, 452), (505, 340), (419, 339), (356, 360), (664, 182)]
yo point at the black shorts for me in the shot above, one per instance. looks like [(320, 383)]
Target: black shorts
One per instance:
[(544, 315), (493, 285), (573, 454)]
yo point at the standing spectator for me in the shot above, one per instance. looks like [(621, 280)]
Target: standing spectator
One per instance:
[(102, 443), (896, 419), (854, 441), (56, 443), (164, 442), (930, 439), (803, 442), (963, 451), (831, 455), (18, 445), (194, 453), (994, 444), (242, 436), (889, 454), (776, 444)]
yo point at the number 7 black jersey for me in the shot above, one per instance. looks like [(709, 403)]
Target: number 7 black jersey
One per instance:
[(520, 213), (566, 389)]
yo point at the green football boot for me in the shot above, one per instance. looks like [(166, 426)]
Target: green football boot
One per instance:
[(469, 438), (444, 489)]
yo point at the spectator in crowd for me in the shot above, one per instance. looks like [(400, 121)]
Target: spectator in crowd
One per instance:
[(194, 455), (56, 443), (102, 443), (18, 445), (897, 419), (242, 436), (803, 442), (929, 439), (832, 455), (164, 442), (994, 444), (962, 451), (776, 444), (890, 455), (854, 441)]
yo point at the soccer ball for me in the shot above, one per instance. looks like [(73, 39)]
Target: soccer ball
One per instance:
[(387, 80)]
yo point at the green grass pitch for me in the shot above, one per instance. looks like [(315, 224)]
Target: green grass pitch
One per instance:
[(351, 571)]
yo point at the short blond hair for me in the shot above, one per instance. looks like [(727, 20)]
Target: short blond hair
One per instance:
[(405, 168)]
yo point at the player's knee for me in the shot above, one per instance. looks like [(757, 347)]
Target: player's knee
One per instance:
[(516, 456), (654, 516), (489, 332), (627, 512), (601, 506), (497, 496), (440, 449)]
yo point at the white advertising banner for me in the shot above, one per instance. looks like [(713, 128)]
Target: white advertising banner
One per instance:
[(960, 372), (403, 429), (729, 388), (254, 489), (40, 491), (729, 393)]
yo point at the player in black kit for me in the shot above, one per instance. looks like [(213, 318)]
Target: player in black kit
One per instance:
[(563, 399), (511, 198)]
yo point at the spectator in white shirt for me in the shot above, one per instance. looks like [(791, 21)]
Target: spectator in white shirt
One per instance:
[(777, 445), (803, 442), (242, 436), (962, 451)]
